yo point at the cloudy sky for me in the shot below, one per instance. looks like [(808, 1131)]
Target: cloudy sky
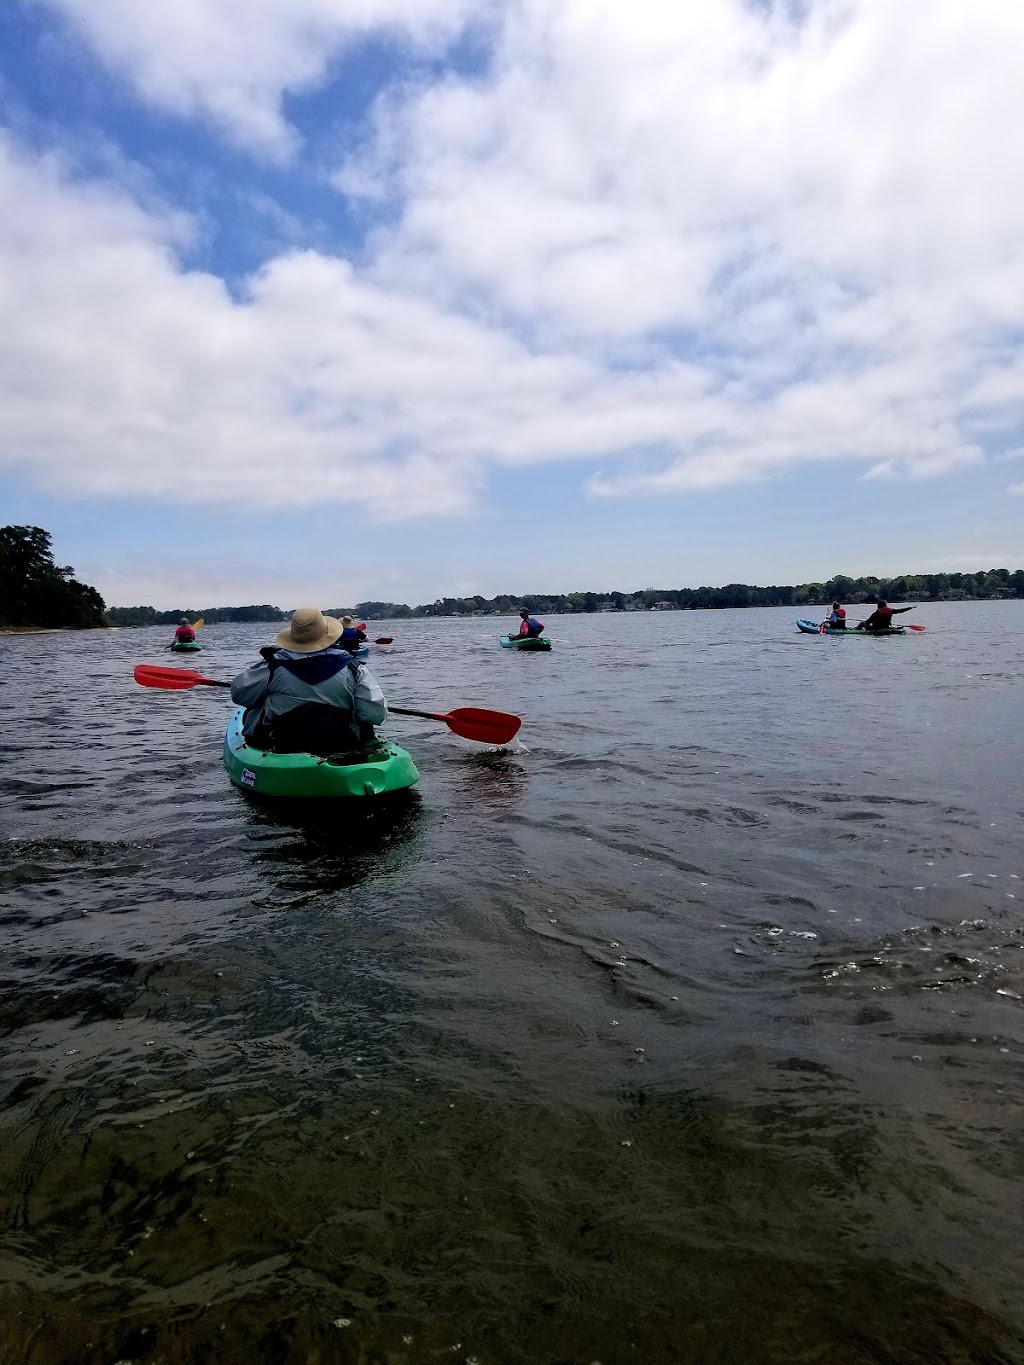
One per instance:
[(336, 299)]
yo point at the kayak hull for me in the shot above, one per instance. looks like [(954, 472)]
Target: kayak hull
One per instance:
[(812, 628), (186, 647), (538, 644), (306, 775)]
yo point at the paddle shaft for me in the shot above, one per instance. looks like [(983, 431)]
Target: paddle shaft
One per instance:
[(484, 727)]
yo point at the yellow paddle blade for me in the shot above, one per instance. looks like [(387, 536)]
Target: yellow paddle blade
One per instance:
[(197, 624)]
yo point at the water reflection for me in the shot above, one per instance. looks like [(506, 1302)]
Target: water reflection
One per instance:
[(308, 850)]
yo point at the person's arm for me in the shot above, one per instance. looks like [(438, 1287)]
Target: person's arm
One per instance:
[(250, 687), (369, 699), (896, 611)]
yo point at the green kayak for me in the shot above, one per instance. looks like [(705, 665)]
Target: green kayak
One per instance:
[(387, 769), (527, 643), (186, 646)]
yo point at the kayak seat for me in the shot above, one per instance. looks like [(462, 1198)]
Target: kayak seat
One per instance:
[(316, 728)]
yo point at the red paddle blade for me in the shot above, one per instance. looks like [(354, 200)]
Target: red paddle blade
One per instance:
[(486, 727), (383, 640), (173, 679), (910, 627)]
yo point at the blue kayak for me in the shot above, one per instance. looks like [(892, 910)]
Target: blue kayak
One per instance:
[(360, 652), (813, 628)]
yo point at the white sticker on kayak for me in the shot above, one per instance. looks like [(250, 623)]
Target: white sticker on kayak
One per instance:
[(248, 777)]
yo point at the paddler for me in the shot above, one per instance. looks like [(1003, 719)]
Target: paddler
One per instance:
[(308, 695), (530, 628), (184, 635), (881, 617), (837, 617), (352, 636)]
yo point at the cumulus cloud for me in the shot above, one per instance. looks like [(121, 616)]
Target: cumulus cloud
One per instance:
[(232, 61), (121, 373), (816, 206), (692, 245)]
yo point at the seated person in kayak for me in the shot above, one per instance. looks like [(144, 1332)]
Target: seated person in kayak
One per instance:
[(881, 617), (308, 695), (530, 628), (351, 635), (836, 617), (184, 635)]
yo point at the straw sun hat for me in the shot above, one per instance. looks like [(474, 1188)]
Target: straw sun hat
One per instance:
[(309, 631)]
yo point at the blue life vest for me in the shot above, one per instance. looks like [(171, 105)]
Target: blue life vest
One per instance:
[(313, 668), (533, 626), (351, 638)]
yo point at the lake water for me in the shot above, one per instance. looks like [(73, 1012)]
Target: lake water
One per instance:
[(688, 1030)]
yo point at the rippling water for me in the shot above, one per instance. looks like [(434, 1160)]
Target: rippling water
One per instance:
[(689, 1030)]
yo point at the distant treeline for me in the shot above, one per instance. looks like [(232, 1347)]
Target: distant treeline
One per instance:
[(149, 616), (929, 587), (937, 587), (35, 591)]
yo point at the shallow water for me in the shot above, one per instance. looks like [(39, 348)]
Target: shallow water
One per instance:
[(688, 1030)]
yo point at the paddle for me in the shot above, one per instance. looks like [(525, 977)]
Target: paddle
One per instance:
[(172, 679), (485, 727), (906, 626), (383, 640)]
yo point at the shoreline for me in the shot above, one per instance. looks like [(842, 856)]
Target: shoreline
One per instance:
[(53, 630)]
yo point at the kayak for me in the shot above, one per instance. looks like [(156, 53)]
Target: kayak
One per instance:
[(528, 644), (387, 769), (812, 628), (360, 652), (187, 646)]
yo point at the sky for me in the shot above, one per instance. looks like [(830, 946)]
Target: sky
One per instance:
[(336, 300)]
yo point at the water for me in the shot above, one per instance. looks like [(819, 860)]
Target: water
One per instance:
[(690, 1030)]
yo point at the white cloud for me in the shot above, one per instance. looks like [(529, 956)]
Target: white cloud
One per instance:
[(823, 215), (122, 374), (1016, 488), (695, 244), (232, 61)]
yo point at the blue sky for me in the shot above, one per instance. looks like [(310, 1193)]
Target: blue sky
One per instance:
[(397, 298)]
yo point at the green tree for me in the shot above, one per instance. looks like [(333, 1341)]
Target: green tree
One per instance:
[(34, 591)]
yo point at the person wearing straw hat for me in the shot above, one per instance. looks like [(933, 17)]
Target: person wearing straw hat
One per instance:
[(308, 694), (351, 634)]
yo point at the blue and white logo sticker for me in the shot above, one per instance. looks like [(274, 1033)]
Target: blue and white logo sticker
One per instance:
[(248, 777)]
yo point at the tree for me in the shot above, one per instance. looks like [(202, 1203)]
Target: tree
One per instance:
[(34, 591)]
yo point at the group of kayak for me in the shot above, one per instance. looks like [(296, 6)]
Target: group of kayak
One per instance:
[(878, 623), (307, 712)]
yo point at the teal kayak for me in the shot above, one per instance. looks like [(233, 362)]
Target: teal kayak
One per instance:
[(528, 644), (386, 769), (186, 646), (813, 628), (360, 652)]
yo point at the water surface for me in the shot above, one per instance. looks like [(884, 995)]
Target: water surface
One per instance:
[(688, 1030)]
